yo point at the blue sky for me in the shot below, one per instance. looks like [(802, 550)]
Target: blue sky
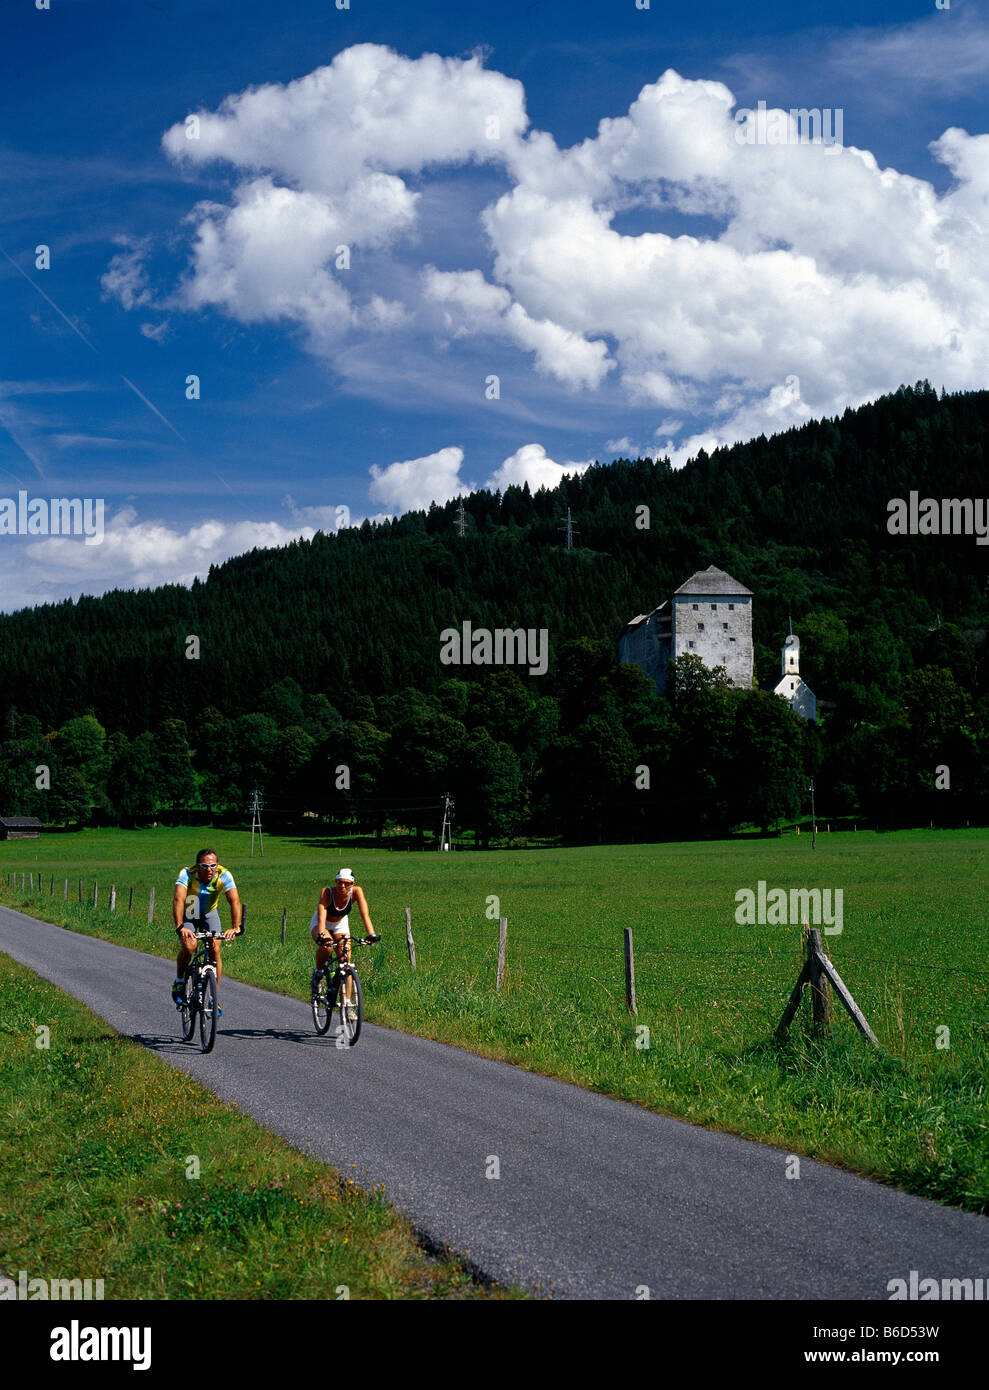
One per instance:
[(676, 276)]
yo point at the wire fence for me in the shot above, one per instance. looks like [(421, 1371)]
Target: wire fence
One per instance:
[(537, 957)]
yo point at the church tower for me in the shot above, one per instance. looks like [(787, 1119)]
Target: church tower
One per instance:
[(793, 689), (791, 653)]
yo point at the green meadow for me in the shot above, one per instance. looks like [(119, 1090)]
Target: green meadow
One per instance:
[(710, 991)]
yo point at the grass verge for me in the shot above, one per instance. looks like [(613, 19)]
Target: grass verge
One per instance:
[(99, 1142)]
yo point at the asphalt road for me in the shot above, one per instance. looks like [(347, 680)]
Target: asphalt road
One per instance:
[(595, 1198)]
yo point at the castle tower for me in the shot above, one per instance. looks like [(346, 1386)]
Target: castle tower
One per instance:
[(709, 616)]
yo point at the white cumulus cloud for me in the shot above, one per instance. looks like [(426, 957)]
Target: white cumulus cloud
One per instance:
[(412, 484), (809, 260), (530, 464), (133, 554)]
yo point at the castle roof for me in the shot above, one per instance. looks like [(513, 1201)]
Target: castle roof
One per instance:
[(712, 581)]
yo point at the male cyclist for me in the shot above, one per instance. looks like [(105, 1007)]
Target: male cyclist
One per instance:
[(197, 891)]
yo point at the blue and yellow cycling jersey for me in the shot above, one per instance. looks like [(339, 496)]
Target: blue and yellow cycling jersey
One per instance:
[(208, 893)]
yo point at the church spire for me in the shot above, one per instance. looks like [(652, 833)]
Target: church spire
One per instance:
[(791, 653)]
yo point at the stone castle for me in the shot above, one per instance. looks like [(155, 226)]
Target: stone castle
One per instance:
[(710, 616)]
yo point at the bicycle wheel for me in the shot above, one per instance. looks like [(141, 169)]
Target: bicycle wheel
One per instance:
[(351, 1027), (321, 1007), (188, 1006), (207, 1011)]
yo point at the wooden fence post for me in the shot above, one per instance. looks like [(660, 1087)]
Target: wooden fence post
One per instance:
[(408, 936), (502, 942), (629, 973), (820, 995), (284, 914), (96, 893), (65, 892), (51, 890), (80, 890), (817, 970), (113, 897), (130, 902), (151, 905)]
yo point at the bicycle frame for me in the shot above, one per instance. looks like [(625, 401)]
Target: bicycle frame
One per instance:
[(200, 967), (334, 973)]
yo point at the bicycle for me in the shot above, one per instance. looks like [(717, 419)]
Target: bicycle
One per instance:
[(198, 995), (328, 994)]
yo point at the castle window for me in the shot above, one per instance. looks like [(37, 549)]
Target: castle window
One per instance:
[(690, 644), (725, 626), (713, 607), (700, 627), (731, 639), (731, 608), (697, 605)]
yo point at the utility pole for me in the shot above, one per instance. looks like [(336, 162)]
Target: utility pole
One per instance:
[(446, 833), (255, 810), (813, 817), (461, 519), (570, 529)]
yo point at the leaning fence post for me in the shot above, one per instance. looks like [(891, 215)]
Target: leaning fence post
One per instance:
[(842, 991), (629, 973), (113, 897), (151, 905), (408, 936), (51, 889), (284, 914), (502, 940), (793, 1003)]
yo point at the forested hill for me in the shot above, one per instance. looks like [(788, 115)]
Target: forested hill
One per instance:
[(801, 519)]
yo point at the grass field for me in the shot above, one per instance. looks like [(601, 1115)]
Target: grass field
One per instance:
[(96, 1180), (710, 992)]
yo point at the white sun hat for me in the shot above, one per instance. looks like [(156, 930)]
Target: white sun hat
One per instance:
[(345, 875)]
